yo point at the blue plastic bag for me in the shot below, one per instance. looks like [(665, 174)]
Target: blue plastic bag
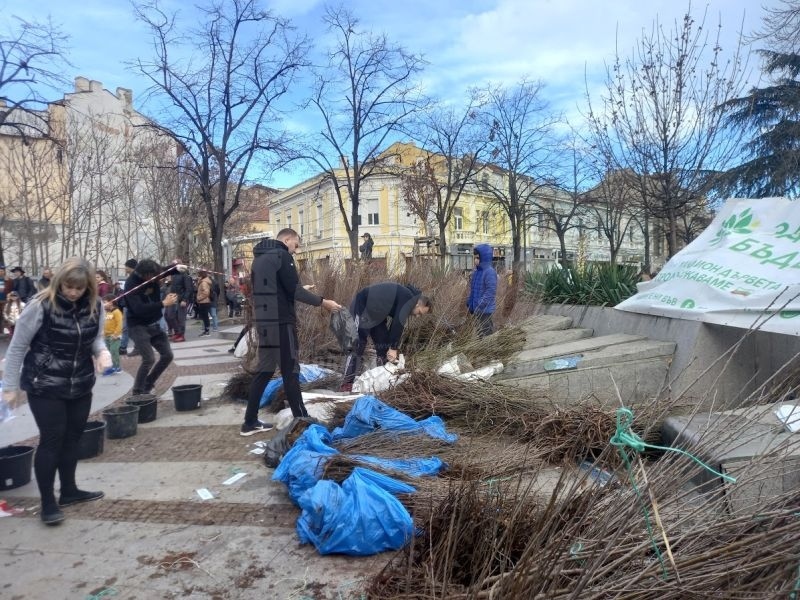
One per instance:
[(416, 467), (303, 464), (308, 373), (369, 413), (359, 518)]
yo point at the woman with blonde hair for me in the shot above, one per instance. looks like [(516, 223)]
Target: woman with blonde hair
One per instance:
[(50, 357)]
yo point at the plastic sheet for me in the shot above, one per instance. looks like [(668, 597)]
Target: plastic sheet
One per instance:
[(302, 466), (308, 373), (360, 517)]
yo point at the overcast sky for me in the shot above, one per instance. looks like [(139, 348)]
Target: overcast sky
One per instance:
[(466, 42)]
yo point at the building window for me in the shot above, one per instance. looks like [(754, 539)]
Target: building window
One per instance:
[(458, 219), (320, 226), (288, 220), (302, 223), (371, 209), (540, 222)]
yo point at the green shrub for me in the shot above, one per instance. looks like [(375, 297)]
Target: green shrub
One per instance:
[(599, 284)]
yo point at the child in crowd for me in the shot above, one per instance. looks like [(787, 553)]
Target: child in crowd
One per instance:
[(112, 332), (12, 310)]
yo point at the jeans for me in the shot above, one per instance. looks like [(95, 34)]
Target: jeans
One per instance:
[(123, 342), (61, 422), (176, 318), (202, 312), (146, 338), (212, 311)]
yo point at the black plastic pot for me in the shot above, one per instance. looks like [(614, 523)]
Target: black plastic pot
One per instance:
[(15, 466), (187, 397), (148, 406), (91, 442), (121, 421)]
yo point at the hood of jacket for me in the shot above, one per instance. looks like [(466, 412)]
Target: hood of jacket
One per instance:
[(266, 245), (484, 251)]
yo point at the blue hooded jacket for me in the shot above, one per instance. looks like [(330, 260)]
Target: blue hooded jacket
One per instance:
[(483, 286)]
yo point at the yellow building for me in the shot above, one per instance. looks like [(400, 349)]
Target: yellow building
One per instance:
[(312, 209)]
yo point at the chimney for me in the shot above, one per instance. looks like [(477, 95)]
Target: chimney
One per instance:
[(96, 86), (125, 96), (82, 84)]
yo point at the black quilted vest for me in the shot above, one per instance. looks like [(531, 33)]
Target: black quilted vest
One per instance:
[(59, 361)]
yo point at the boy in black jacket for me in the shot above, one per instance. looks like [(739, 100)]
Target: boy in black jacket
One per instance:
[(144, 307), (372, 308)]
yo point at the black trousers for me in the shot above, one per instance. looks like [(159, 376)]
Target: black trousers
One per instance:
[(61, 423), (202, 312), (269, 358), (380, 339)]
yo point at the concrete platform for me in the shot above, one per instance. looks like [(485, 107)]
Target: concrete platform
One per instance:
[(749, 444)]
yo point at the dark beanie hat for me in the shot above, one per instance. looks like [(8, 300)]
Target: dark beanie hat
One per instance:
[(131, 263)]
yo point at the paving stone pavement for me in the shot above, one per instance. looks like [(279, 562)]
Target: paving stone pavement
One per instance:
[(152, 536)]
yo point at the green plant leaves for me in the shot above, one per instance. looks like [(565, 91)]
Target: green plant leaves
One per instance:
[(598, 284)]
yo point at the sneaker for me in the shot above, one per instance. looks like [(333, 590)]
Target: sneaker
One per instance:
[(205, 333), (179, 338), (118, 370), (109, 371), (123, 351), (255, 428), (52, 515), (134, 352), (346, 387), (232, 350), (77, 497)]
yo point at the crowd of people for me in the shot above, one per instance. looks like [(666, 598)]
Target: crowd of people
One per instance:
[(75, 323)]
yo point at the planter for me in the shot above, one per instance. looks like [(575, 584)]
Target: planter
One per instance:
[(121, 421), (148, 406), (15, 466), (91, 442), (187, 397)]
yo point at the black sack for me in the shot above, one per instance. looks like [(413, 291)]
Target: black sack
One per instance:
[(345, 329), (278, 446)]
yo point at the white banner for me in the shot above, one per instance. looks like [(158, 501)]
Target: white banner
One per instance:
[(742, 271)]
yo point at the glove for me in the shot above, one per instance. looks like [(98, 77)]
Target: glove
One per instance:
[(10, 398), (181, 268), (104, 361)]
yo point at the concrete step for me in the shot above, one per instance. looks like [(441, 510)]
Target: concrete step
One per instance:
[(580, 346), (548, 338), (609, 369), (539, 323)]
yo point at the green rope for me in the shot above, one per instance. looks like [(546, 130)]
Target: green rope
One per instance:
[(625, 437)]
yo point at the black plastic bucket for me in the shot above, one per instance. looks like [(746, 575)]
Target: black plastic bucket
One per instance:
[(148, 406), (15, 466), (187, 397), (91, 442), (121, 421)]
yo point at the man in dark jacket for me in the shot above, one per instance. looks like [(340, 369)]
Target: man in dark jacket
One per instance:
[(276, 286), (372, 308), (144, 306), (482, 290), (23, 284), (181, 285)]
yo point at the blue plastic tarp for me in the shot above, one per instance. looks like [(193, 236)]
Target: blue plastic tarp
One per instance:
[(308, 373), (303, 464), (369, 414), (360, 517)]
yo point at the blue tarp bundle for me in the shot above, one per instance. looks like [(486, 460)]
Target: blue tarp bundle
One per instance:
[(361, 516), (308, 373)]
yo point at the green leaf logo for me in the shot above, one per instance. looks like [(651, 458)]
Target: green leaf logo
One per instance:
[(740, 224), (688, 303)]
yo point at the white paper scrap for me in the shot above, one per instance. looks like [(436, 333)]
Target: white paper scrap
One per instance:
[(258, 451), (234, 479), (205, 494)]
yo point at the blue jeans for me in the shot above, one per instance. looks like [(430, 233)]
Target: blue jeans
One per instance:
[(123, 342), (212, 312)]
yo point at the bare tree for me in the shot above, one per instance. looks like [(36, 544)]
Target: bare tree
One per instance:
[(614, 202), (419, 189), (658, 118), (519, 128), (32, 60), (457, 147), (221, 85), (365, 95)]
